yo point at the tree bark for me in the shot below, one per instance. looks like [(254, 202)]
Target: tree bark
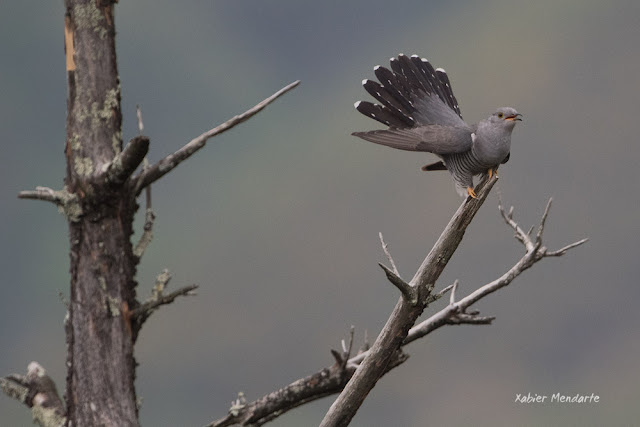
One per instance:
[(100, 337)]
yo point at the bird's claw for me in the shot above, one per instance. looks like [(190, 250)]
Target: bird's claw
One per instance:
[(471, 193)]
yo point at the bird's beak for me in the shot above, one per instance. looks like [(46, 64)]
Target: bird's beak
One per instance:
[(514, 117)]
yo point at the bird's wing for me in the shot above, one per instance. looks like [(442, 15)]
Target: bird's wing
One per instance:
[(435, 139), (412, 93)]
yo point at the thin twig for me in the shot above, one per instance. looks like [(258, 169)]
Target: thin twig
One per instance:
[(385, 248), (564, 250), (347, 349), (42, 193), (149, 215), (435, 297), (542, 223), (158, 298), (67, 202), (470, 319), (149, 219), (452, 297), (168, 163), (139, 117), (150, 306)]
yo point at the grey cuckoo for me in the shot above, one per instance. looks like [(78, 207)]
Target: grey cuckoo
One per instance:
[(418, 105)]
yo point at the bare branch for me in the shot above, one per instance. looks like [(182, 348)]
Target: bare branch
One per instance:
[(337, 356), (520, 235), (470, 319), (385, 248), (67, 202), (126, 162), (535, 252), (564, 250), (405, 313), (42, 193), (147, 233), (456, 313), (342, 358), (408, 291), (542, 223), (435, 297), (145, 310), (452, 297), (38, 391), (139, 315), (139, 117), (167, 164), (323, 383), (149, 218), (347, 350), (448, 242)]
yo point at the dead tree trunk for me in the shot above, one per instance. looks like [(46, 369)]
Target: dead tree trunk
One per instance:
[(100, 338), (99, 201)]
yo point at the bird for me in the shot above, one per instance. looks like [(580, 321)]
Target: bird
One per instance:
[(417, 104)]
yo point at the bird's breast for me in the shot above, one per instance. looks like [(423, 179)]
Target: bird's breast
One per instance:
[(492, 151)]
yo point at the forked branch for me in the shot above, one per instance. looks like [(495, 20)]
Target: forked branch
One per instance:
[(535, 252), (157, 299), (323, 383), (457, 312)]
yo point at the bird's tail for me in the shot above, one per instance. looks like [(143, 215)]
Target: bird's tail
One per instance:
[(437, 166), (411, 92)]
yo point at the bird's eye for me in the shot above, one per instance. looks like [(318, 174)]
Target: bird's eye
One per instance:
[(500, 115)]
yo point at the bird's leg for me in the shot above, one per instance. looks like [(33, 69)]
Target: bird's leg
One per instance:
[(471, 193)]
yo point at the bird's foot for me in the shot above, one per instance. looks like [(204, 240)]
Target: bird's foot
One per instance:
[(471, 193), (492, 172)]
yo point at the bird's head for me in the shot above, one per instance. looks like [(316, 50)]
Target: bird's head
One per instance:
[(507, 115)]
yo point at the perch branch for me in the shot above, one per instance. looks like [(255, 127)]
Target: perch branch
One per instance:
[(314, 386), (168, 163), (405, 314), (38, 391)]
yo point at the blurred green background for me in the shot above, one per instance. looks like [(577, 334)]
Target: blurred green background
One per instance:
[(278, 219)]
